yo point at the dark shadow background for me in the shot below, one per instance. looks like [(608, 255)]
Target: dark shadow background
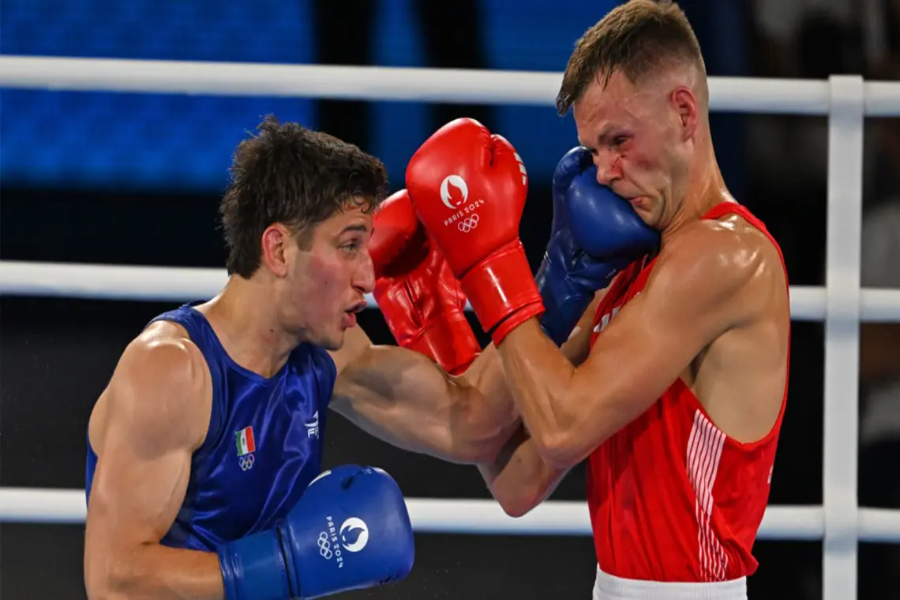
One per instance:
[(135, 179)]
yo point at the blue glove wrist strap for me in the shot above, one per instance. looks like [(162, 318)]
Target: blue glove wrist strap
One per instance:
[(253, 568), (561, 303)]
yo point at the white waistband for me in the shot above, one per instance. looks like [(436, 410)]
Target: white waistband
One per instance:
[(609, 587)]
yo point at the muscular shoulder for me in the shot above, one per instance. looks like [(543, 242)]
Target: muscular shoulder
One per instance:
[(161, 388), (725, 262), (164, 353)]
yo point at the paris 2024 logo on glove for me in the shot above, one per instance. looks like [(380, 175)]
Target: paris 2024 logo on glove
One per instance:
[(455, 196), (352, 536)]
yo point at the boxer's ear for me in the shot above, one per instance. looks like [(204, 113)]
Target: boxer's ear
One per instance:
[(687, 109), (274, 248)]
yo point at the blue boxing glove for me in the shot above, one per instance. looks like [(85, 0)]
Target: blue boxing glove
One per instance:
[(349, 530), (595, 234)]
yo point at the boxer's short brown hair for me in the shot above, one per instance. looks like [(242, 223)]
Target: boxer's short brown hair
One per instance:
[(296, 176), (635, 38)]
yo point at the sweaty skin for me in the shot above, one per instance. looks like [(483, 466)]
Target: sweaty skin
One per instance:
[(714, 312), (156, 408)]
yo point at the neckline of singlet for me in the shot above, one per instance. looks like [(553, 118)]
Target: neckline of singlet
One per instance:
[(207, 326), (719, 210)]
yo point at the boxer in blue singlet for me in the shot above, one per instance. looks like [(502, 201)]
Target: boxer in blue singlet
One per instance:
[(203, 469)]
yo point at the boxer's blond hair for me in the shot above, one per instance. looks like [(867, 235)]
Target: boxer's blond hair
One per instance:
[(636, 38)]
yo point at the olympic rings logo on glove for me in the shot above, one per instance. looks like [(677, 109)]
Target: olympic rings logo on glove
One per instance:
[(468, 224), (324, 546), (246, 461)]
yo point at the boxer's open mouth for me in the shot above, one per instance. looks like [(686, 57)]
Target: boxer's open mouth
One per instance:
[(350, 314)]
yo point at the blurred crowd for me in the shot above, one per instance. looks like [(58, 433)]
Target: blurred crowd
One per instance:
[(812, 39)]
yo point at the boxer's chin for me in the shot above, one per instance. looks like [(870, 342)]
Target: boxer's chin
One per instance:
[(650, 211), (333, 342), (337, 337), (329, 338), (644, 210)]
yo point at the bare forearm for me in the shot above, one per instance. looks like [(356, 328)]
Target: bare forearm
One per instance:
[(155, 572), (537, 374), (520, 356), (406, 400), (488, 377), (519, 479)]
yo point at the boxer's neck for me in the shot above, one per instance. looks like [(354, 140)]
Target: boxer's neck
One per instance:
[(705, 189), (246, 322)]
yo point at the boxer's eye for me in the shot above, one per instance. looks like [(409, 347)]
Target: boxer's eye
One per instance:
[(352, 246)]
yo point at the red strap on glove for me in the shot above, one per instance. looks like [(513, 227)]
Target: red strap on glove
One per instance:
[(421, 300), (501, 290)]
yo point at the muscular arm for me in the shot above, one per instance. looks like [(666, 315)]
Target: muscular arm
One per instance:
[(688, 301), (403, 398), (153, 416), (518, 478)]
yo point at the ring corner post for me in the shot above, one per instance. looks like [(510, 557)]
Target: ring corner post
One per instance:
[(842, 323)]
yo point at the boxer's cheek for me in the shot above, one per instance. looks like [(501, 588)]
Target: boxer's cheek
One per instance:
[(329, 284)]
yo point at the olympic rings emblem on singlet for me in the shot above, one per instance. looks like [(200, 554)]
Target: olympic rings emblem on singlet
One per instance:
[(246, 461), (468, 224), (324, 546)]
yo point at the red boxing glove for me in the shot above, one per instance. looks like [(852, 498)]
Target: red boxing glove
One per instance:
[(420, 299), (468, 188)]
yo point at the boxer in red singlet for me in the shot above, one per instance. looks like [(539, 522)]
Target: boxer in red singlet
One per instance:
[(673, 385)]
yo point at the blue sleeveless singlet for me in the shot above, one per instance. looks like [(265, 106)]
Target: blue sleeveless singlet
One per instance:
[(263, 447)]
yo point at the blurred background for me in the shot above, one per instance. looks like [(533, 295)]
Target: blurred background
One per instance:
[(135, 179)]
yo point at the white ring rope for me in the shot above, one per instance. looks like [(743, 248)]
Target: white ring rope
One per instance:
[(484, 517), (118, 282), (735, 94)]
